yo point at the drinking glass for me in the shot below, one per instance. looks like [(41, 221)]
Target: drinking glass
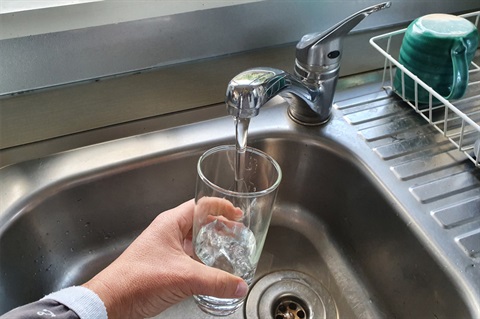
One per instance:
[(232, 215)]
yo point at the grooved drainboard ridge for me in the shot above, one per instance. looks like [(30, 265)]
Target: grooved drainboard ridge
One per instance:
[(435, 172)]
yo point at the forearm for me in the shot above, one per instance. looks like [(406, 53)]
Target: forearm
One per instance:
[(69, 303)]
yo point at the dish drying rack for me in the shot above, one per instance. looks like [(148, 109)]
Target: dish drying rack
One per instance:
[(458, 121)]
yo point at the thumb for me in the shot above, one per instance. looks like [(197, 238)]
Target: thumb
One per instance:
[(218, 283)]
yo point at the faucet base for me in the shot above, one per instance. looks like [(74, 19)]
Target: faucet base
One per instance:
[(302, 114)]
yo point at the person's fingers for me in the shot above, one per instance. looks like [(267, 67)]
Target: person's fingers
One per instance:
[(207, 206), (217, 283), (224, 221), (216, 206)]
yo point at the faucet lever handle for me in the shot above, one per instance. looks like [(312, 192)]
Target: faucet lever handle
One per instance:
[(323, 49)]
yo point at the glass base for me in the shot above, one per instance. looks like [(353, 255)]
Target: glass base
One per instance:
[(218, 306)]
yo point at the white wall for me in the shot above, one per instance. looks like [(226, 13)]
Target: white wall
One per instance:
[(49, 47)]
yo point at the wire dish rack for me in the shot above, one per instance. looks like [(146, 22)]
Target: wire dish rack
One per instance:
[(459, 120)]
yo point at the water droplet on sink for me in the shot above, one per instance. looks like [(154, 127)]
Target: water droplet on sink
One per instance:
[(87, 224), (72, 250), (67, 232)]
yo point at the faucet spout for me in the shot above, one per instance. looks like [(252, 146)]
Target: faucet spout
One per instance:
[(317, 66), (250, 90)]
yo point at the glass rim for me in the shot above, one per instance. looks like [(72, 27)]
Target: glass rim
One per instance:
[(217, 149)]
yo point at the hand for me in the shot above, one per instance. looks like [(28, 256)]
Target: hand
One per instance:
[(209, 209), (156, 272)]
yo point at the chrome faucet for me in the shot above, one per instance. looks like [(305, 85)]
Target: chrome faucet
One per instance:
[(317, 66)]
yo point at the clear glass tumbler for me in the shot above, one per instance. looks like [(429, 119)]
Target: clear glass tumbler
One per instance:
[(232, 216)]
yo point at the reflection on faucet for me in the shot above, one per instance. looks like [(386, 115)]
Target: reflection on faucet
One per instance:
[(317, 66)]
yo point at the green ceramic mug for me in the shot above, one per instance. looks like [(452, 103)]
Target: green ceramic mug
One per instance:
[(438, 49)]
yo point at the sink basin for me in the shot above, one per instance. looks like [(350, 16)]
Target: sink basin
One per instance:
[(338, 230)]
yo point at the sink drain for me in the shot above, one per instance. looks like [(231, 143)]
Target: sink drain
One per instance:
[(290, 308), (289, 295)]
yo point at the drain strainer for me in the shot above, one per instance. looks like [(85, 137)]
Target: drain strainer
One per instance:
[(290, 308), (290, 295)]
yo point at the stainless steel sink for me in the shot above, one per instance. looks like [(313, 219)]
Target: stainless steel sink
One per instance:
[(344, 228)]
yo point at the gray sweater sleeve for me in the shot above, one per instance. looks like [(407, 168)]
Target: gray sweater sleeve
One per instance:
[(69, 303)]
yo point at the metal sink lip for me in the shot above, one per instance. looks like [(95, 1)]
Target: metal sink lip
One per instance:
[(80, 165), (62, 170)]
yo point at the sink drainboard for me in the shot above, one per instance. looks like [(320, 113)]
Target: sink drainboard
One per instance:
[(435, 173), (290, 295)]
